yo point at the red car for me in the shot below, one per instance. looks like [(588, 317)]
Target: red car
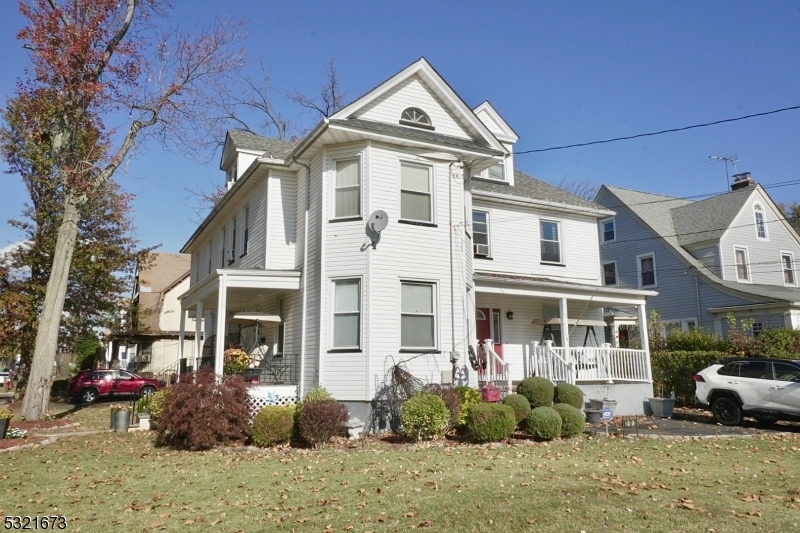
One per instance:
[(89, 385)]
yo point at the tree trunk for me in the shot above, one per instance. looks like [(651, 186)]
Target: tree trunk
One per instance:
[(37, 393)]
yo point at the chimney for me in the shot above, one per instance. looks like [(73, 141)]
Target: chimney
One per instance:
[(742, 181)]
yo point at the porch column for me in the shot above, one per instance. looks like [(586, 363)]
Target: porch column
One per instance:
[(644, 339), (198, 330), (562, 310), (221, 325), (181, 336)]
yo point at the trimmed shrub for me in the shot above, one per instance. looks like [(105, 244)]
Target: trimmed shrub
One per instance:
[(491, 422), (538, 391), (316, 393), (544, 423), (674, 371), (200, 412), (469, 397), (520, 405), (273, 425), (319, 420), (451, 399), (572, 421), (424, 417), (569, 394)]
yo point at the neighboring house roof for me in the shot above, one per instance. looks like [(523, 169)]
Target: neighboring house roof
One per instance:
[(528, 187), (663, 217), (274, 148), (154, 279)]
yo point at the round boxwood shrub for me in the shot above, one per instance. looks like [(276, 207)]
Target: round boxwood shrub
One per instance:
[(451, 399), (273, 425), (469, 397), (490, 422), (572, 421), (544, 423), (538, 391), (520, 405), (319, 420), (424, 417), (569, 394)]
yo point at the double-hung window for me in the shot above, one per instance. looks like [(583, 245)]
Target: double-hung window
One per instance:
[(416, 193), (742, 267), (761, 226), (609, 230), (550, 237), (610, 273), (480, 233), (346, 314), (246, 230), (347, 194), (417, 315), (787, 263), (646, 266)]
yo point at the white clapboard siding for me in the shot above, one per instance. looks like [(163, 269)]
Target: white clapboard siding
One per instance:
[(282, 217), (258, 224), (413, 93), (312, 269)]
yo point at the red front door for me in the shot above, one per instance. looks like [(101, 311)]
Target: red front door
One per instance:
[(488, 326)]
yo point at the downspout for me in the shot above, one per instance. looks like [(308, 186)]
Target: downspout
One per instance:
[(697, 295), (453, 355), (305, 284)]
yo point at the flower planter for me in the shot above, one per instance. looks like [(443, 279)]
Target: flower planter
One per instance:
[(122, 420), (4, 422), (662, 407), (593, 416)]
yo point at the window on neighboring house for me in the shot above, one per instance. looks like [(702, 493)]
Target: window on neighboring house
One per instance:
[(646, 265), (758, 327), (610, 273), (549, 235), (246, 230), (480, 233), (416, 196), (761, 227), (608, 228), (742, 267), (787, 261), (222, 248), (347, 314), (233, 240), (208, 266), (347, 195), (417, 315), (414, 116)]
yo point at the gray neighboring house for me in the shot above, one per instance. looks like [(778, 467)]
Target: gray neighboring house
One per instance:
[(731, 253)]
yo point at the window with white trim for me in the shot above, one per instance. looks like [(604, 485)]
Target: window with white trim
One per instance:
[(761, 226), (245, 230), (608, 230), (480, 233), (414, 116), (550, 238), (742, 264), (416, 193), (233, 241), (646, 267), (347, 188), (496, 172), (346, 314), (758, 327), (222, 248), (610, 273), (417, 315), (787, 264), (208, 266)]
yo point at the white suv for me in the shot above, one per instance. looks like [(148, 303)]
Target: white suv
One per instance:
[(766, 389)]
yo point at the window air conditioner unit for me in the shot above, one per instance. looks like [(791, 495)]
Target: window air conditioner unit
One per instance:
[(144, 358), (482, 249)]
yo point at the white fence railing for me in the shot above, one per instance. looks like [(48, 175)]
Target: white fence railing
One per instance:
[(585, 364), (491, 367)]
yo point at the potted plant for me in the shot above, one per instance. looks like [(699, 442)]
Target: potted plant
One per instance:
[(5, 420), (662, 406), (121, 417), (235, 360)]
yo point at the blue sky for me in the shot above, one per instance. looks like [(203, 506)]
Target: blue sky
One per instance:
[(559, 73)]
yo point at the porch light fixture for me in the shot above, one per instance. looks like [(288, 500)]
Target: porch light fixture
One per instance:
[(510, 315)]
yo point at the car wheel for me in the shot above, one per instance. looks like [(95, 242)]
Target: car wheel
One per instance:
[(766, 421), (89, 395), (727, 411), (147, 391)]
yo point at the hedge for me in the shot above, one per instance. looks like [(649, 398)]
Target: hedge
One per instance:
[(674, 371)]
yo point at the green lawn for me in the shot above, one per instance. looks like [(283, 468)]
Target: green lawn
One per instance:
[(121, 481)]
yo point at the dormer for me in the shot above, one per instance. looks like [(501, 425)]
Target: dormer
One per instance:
[(502, 171), (243, 147)]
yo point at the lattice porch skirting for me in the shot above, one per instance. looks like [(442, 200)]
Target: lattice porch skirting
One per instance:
[(264, 395)]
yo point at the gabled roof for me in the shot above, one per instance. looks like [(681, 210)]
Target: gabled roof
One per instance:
[(508, 134), (272, 148), (527, 187), (708, 219)]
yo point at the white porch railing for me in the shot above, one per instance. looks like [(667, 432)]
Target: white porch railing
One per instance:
[(586, 364), (492, 369)]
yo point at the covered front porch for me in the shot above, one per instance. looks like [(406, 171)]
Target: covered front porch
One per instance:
[(528, 326), (247, 309)]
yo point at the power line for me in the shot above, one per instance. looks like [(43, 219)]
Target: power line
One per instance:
[(661, 132)]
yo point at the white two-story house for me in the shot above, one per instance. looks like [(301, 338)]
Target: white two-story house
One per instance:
[(398, 232)]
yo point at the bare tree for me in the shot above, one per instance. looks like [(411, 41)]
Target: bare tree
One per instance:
[(330, 98), (582, 188)]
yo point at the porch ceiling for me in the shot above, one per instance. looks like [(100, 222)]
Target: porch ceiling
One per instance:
[(242, 286)]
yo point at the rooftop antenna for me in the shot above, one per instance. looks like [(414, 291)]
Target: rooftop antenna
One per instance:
[(728, 159)]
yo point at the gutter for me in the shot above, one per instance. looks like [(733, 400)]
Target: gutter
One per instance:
[(598, 289), (511, 199)]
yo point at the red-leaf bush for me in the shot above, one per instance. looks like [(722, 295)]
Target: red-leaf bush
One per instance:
[(200, 413), (319, 420)]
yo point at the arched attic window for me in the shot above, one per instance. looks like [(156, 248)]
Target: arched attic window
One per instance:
[(761, 226), (414, 116)]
